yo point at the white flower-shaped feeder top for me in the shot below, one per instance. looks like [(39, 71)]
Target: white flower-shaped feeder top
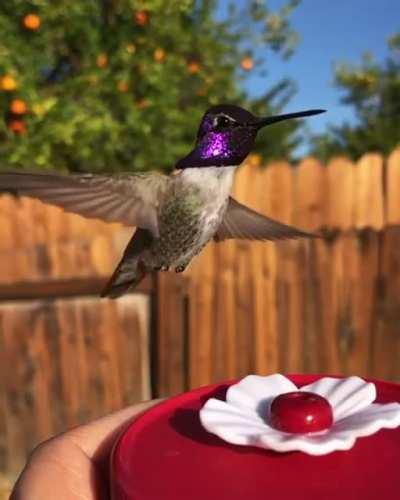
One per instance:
[(271, 412)]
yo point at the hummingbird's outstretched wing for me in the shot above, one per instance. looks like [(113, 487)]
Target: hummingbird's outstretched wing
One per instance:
[(244, 223), (131, 199)]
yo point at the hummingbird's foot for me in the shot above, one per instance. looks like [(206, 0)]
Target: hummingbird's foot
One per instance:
[(161, 268), (180, 269)]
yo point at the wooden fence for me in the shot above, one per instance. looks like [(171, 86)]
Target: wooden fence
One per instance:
[(67, 356), (326, 305)]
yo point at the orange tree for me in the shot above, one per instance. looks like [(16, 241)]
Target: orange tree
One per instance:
[(108, 85)]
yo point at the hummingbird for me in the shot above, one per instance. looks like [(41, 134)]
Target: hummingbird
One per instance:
[(175, 215)]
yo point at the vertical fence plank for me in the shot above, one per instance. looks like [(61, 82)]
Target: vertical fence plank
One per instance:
[(40, 379), (280, 306), (311, 195), (76, 377), (327, 354), (201, 319), (385, 349), (256, 193), (355, 275), (338, 330), (278, 187), (286, 310), (170, 336), (341, 329), (109, 361), (364, 267), (134, 346), (341, 189), (246, 190), (24, 239), (278, 303), (368, 199), (392, 189), (12, 380), (364, 299), (243, 318), (224, 359), (311, 213), (8, 241)]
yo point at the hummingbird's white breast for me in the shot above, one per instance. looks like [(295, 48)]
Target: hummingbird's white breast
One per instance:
[(190, 214), (212, 186), (214, 183)]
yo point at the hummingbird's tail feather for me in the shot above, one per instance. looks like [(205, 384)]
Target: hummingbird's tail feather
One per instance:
[(131, 269), (119, 284)]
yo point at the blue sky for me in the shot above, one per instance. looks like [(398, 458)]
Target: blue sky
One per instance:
[(330, 30)]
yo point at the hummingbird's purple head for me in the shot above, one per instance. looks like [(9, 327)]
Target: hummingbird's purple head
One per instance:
[(226, 136)]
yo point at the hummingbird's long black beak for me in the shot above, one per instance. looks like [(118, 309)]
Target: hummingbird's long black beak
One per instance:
[(262, 122)]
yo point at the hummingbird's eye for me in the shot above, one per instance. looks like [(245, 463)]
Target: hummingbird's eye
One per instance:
[(222, 122)]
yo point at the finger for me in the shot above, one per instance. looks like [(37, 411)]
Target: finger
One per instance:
[(74, 465), (97, 437)]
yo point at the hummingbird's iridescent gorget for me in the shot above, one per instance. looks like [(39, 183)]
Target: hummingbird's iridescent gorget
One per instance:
[(189, 215)]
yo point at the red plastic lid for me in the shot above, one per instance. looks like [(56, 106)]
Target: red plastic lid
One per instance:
[(166, 454)]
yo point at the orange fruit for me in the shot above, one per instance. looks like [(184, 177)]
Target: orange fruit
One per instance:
[(8, 83), (159, 55), (141, 17), (31, 22), (17, 126), (102, 60), (193, 67), (254, 160), (142, 103), (247, 63), (18, 107)]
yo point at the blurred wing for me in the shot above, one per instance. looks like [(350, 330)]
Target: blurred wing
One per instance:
[(243, 223), (131, 199)]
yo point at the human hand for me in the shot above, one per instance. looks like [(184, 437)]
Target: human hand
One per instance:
[(75, 464)]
